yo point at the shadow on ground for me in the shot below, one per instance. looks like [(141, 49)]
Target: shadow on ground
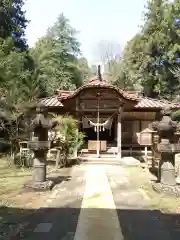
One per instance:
[(135, 224), (59, 179), (154, 171), (72, 162)]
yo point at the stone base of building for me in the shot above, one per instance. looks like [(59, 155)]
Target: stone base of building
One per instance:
[(40, 186), (167, 189)]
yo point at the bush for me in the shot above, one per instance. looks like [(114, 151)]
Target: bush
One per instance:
[(176, 116), (68, 139), (4, 146)]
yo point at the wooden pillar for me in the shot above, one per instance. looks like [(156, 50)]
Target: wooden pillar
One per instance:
[(77, 131), (146, 154), (76, 150), (98, 140), (119, 133)]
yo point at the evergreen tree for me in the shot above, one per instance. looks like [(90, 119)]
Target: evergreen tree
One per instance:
[(17, 75), (84, 69), (159, 43), (151, 55), (13, 22), (65, 34), (56, 56)]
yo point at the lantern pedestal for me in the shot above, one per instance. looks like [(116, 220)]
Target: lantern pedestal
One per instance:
[(39, 167), (39, 181), (167, 147), (167, 178), (167, 189), (178, 175), (40, 186)]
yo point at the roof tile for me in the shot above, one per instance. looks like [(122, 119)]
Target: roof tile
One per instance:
[(51, 102), (142, 103)]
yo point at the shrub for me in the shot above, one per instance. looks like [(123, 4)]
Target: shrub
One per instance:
[(176, 116), (68, 139)]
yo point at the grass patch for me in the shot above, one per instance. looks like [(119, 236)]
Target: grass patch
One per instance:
[(12, 178), (142, 179)]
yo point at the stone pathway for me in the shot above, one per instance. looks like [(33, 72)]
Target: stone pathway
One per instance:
[(98, 217), (136, 218), (99, 202)]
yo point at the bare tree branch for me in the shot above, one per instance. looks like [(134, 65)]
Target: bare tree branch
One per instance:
[(107, 51)]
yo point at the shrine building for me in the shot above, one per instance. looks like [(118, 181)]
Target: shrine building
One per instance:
[(107, 114)]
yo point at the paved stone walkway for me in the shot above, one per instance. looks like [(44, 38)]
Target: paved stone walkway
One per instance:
[(136, 218), (99, 203), (98, 217)]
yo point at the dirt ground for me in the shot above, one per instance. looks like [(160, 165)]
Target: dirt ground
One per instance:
[(13, 195)]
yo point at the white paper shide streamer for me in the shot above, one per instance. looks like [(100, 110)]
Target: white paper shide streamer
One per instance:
[(102, 126)]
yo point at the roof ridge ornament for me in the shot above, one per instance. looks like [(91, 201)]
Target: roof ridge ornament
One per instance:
[(99, 73)]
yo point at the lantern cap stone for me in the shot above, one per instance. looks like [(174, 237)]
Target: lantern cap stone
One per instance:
[(166, 111), (41, 108)]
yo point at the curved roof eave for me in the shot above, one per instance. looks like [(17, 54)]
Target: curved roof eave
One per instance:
[(105, 86)]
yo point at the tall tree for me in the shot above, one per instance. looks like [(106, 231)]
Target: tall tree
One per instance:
[(13, 22), (117, 76), (133, 61), (84, 69), (65, 34), (151, 54), (56, 56), (16, 73), (16, 66), (155, 48)]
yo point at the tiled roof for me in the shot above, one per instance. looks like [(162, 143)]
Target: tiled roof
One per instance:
[(143, 102), (155, 103), (63, 95), (51, 102)]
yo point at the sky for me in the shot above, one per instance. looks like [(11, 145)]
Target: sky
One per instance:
[(96, 20)]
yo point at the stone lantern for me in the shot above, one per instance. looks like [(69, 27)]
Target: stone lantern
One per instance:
[(40, 146), (167, 147)]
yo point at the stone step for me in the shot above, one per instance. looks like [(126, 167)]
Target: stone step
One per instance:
[(103, 161), (129, 161), (109, 151), (114, 152), (102, 157)]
